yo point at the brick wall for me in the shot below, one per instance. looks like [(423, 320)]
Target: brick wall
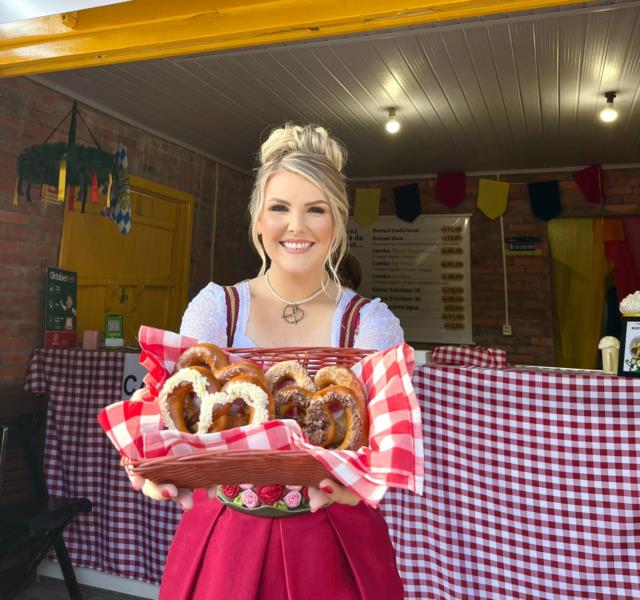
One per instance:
[(30, 233), (529, 281)]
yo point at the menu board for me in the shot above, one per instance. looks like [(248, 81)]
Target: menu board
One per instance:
[(421, 270)]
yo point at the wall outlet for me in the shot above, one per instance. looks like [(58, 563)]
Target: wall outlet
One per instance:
[(506, 330)]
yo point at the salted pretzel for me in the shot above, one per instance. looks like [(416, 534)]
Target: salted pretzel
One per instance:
[(286, 373), (207, 394), (182, 395), (254, 395), (243, 367), (202, 355)]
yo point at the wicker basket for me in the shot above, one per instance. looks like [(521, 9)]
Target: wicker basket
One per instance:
[(311, 359), (259, 467)]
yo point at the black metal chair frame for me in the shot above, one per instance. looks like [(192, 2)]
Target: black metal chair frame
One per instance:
[(35, 527)]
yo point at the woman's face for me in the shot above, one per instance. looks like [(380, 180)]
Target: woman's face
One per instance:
[(296, 224)]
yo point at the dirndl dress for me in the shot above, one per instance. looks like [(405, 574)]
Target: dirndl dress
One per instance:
[(337, 553), (340, 553)]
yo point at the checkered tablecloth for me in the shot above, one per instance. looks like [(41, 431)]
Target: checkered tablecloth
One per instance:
[(532, 484), (127, 533), (532, 487)]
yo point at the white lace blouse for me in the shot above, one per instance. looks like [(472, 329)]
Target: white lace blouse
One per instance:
[(206, 320)]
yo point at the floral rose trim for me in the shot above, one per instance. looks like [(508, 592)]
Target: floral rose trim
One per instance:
[(282, 497)]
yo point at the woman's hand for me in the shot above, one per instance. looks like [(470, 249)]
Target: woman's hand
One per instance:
[(138, 395), (166, 491), (329, 491)]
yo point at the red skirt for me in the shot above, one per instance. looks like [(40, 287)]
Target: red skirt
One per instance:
[(338, 553)]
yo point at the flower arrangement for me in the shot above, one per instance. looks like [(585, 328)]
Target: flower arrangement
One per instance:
[(288, 498)]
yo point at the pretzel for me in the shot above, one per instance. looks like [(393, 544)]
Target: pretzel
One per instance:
[(243, 367), (292, 402), (202, 355), (337, 415), (253, 394), (181, 397), (286, 373)]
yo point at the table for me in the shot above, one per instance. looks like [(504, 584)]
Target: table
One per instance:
[(126, 534), (532, 483)]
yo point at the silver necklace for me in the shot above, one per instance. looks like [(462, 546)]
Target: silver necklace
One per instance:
[(292, 313)]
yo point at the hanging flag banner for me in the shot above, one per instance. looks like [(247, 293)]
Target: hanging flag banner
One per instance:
[(407, 199), (589, 181), (492, 197), (366, 209), (62, 179), (544, 197), (450, 188), (15, 201), (121, 203), (421, 271)]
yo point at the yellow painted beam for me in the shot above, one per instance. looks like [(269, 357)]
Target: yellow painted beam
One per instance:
[(148, 29)]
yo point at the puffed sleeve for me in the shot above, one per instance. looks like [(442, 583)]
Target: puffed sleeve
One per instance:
[(379, 328), (206, 316)]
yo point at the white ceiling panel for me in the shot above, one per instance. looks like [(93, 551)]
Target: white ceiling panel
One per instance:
[(502, 93)]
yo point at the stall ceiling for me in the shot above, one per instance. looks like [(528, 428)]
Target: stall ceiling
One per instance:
[(508, 93)]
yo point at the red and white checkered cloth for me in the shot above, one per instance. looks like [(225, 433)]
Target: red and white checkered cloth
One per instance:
[(532, 483), (532, 488), (470, 356), (126, 533), (394, 457)]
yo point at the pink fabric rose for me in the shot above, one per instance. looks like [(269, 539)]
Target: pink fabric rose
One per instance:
[(230, 491), (270, 494), (246, 486), (293, 499), (250, 499)]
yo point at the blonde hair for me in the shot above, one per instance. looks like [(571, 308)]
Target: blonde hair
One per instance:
[(308, 151)]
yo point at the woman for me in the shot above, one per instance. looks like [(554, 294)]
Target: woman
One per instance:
[(340, 549)]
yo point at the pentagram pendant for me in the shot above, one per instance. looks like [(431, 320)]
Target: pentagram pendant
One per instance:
[(292, 313)]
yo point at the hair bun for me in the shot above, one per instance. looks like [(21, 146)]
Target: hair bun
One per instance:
[(310, 139)]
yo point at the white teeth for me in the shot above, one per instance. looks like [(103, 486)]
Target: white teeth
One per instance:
[(295, 245)]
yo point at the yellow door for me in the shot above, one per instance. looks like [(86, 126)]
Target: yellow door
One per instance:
[(143, 276)]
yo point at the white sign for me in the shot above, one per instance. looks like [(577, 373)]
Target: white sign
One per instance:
[(421, 270), (132, 375)]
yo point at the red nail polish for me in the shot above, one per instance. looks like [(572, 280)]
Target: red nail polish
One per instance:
[(166, 494), (327, 489)]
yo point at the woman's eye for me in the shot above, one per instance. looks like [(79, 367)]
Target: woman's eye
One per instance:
[(317, 209), (278, 207)]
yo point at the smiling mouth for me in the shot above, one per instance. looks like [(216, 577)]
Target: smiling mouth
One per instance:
[(296, 246)]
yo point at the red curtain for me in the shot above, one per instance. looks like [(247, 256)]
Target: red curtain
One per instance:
[(625, 255)]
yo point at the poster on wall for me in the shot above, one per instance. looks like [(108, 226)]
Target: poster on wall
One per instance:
[(60, 309), (629, 361), (421, 270)]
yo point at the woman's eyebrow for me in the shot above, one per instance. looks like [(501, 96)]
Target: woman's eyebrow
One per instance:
[(276, 199)]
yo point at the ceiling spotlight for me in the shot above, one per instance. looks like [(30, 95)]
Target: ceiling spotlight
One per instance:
[(392, 125), (609, 114)]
